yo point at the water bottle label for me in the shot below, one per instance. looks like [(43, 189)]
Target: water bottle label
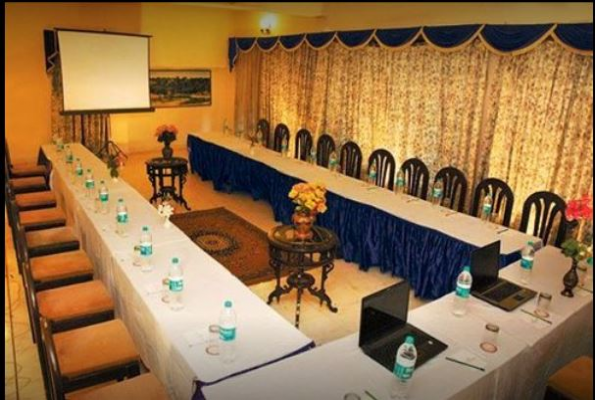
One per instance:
[(79, 171), (527, 264), (462, 292), (103, 197), (437, 193), (176, 284), (146, 250), (400, 182), (69, 159), (487, 208), (122, 217), (402, 372), (227, 334), (372, 175), (89, 184)]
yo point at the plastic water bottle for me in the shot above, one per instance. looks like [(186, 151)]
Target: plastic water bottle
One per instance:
[(464, 283), (121, 218), (400, 183), (78, 170), (90, 184), (146, 250), (333, 161), (373, 173), (404, 367), (59, 144), (259, 136), (527, 257), (437, 192), (176, 285), (312, 157), (68, 157), (284, 146), (227, 332), (103, 198), (486, 209)]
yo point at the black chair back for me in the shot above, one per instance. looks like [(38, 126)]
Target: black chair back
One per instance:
[(351, 160), (455, 188), (502, 199), (264, 127), (303, 144), (324, 148), (385, 168), (546, 211), (281, 133), (417, 177)]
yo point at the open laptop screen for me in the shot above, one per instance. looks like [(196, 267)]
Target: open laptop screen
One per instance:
[(383, 313), (485, 266)]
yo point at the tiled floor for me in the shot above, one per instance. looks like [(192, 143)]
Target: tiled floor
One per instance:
[(346, 285)]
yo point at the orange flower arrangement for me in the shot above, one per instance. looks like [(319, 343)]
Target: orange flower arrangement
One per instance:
[(309, 197), (166, 133)]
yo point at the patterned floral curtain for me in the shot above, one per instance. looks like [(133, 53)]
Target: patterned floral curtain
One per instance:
[(89, 129), (525, 119)]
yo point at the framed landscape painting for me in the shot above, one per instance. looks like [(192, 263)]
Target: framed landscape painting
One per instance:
[(180, 88)]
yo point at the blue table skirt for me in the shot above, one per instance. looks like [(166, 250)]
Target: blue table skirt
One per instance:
[(428, 259)]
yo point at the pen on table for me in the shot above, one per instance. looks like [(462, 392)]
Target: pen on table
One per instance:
[(537, 316), (585, 289), (502, 231), (464, 363), (370, 395)]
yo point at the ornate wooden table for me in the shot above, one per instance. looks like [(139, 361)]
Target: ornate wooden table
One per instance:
[(160, 170), (288, 252)]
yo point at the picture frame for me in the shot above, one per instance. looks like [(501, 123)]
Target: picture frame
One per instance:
[(180, 88)]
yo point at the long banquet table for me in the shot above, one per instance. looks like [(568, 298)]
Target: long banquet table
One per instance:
[(529, 352), (422, 243), (171, 343)]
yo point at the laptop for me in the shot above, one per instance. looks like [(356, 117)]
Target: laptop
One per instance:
[(485, 267), (383, 328)]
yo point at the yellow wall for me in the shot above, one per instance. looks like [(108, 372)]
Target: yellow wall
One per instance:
[(343, 16), (27, 94)]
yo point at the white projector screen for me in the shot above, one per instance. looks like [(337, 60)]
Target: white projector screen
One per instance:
[(104, 72)]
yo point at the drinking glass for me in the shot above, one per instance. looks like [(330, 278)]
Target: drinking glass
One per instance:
[(489, 343), (543, 305), (213, 340)]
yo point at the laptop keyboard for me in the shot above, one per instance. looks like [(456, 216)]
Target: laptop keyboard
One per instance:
[(502, 292)]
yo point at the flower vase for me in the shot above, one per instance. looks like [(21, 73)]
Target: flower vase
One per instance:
[(167, 151), (167, 224), (303, 225), (570, 280)]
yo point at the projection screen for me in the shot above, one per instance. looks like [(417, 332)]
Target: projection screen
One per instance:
[(104, 72)]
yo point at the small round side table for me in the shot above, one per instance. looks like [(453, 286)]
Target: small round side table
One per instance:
[(162, 169)]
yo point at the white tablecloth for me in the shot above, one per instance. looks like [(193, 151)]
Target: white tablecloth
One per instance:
[(529, 352), (161, 334), (460, 226)]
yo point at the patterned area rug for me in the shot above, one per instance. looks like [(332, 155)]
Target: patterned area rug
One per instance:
[(237, 244)]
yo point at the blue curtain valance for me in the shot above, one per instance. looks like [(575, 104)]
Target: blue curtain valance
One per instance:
[(502, 39)]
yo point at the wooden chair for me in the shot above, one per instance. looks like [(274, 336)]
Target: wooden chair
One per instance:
[(145, 386), (350, 160), (385, 168), (54, 270), (455, 188), (324, 148), (417, 176), (88, 356), (281, 134), (573, 382), (26, 184), (546, 210), (37, 219), (51, 241), (303, 144), (502, 199), (264, 126), (21, 170)]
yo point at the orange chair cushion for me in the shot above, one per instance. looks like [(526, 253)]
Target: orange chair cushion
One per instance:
[(49, 237), (47, 216), (61, 266), (145, 387), (27, 170), (94, 348), (35, 199), (574, 381), (74, 301), (22, 183)]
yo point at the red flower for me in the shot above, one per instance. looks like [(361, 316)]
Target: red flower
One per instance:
[(580, 209)]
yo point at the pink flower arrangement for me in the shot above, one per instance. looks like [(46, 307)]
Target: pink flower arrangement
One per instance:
[(580, 209), (166, 133)]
